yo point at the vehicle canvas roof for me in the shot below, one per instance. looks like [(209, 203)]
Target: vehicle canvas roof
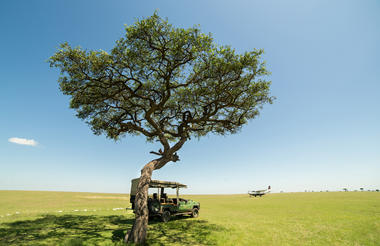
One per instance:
[(156, 184)]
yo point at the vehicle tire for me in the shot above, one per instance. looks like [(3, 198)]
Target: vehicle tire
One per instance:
[(195, 213), (165, 216)]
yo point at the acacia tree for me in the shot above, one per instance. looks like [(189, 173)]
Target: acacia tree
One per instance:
[(165, 83)]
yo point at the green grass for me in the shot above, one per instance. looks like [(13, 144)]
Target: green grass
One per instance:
[(67, 218)]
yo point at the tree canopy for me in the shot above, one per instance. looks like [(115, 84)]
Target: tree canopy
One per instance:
[(165, 83)]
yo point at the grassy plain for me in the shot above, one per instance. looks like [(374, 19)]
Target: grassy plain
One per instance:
[(68, 218)]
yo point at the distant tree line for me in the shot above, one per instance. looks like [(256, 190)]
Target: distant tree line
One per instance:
[(346, 190)]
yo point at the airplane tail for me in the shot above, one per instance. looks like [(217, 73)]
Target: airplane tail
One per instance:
[(268, 190)]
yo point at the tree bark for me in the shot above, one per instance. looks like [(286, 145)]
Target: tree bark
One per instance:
[(139, 229), (138, 233)]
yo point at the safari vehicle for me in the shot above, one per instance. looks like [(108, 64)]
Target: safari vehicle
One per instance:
[(160, 205)]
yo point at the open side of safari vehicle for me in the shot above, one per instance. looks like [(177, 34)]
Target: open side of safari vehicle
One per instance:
[(160, 205)]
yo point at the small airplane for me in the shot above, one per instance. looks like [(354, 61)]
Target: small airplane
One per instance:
[(256, 193)]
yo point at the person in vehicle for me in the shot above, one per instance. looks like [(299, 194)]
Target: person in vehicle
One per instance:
[(155, 197)]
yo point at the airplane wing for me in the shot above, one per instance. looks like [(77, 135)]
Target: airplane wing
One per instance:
[(259, 192)]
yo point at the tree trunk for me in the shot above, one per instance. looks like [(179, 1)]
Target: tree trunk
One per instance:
[(139, 229)]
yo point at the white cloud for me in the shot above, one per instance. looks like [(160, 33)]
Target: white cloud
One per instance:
[(23, 141)]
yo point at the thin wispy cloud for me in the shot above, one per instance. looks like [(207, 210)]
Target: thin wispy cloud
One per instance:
[(23, 141)]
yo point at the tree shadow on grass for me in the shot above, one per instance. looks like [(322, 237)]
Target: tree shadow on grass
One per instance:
[(182, 231), (57, 230), (102, 230)]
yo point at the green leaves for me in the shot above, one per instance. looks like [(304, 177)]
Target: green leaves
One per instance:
[(163, 82)]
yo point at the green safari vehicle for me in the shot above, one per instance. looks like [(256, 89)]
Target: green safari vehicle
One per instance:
[(162, 206)]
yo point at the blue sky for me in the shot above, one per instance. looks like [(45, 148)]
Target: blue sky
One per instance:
[(322, 132)]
